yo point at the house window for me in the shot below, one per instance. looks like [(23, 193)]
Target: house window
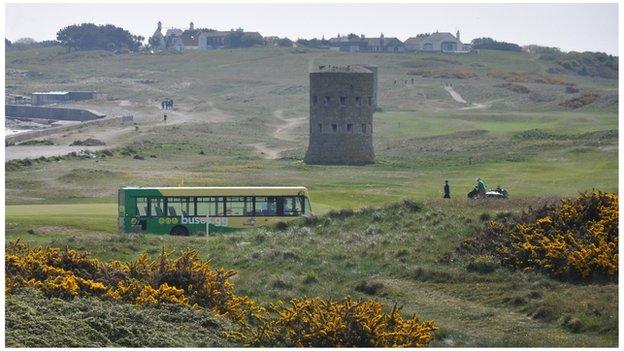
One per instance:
[(320, 128), (370, 101), (350, 128), (334, 128), (314, 100), (363, 128), (327, 100), (358, 101), (343, 101)]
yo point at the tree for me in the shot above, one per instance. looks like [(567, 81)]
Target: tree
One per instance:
[(491, 44), (238, 39), (314, 42), (25, 41), (284, 42), (88, 36), (153, 42)]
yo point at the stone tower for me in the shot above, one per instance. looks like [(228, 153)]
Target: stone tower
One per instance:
[(342, 103)]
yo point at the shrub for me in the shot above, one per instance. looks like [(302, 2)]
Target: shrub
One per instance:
[(88, 142), (281, 225), (37, 142), (571, 89), (580, 101), (457, 73), (576, 240), (482, 264), (412, 205), (516, 88), (369, 288), (317, 322), (525, 77), (185, 280)]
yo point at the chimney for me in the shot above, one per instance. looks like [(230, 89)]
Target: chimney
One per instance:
[(191, 26), (381, 39), (362, 36), (458, 35)]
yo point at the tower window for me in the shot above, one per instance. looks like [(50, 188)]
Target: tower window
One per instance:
[(350, 128), (327, 100), (370, 101), (334, 128), (358, 101), (343, 100), (314, 100), (320, 128), (363, 128)]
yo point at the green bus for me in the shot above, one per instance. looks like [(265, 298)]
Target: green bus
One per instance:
[(205, 210)]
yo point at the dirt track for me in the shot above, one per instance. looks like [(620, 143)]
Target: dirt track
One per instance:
[(283, 132), (148, 117), (455, 95)]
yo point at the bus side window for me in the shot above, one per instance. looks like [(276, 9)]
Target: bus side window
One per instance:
[(239, 205), (292, 206), (280, 205), (141, 206), (156, 206), (178, 206), (212, 205), (265, 206)]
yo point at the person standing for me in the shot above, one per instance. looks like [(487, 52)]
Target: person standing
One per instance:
[(447, 190)]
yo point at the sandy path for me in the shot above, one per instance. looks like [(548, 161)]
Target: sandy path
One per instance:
[(113, 135), (455, 95), (283, 132), (33, 151)]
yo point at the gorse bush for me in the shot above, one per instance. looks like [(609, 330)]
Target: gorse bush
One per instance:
[(580, 101), (189, 281), (455, 72), (525, 77), (577, 239), (325, 323), (186, 280)]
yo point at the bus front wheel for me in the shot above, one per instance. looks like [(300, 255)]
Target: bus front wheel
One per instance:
[(179, 230)]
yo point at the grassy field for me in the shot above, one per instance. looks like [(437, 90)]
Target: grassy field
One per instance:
[(229, 100), (407, 255)]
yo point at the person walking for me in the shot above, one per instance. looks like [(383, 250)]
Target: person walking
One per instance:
[(447, 190)]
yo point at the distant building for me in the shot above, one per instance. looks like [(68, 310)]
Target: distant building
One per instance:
[(52, 97), (173, 39), (195, 39), (158, 37), (190, 38), (437, 42), (363, 44), (272, 40)]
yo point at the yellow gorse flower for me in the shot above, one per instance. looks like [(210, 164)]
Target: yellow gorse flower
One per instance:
[(578, 238), (188, 280)]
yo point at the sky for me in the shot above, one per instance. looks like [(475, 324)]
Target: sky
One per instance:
[(578, 27)]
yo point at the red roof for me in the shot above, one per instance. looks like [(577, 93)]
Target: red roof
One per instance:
[(190, 39)]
